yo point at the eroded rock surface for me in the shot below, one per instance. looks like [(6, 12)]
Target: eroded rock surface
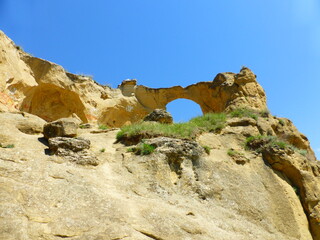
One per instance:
[(64, 127), (73, 149), (45, 89), (159, 115), (97, 189)]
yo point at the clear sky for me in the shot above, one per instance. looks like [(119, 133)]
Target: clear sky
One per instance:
[(180, 42)]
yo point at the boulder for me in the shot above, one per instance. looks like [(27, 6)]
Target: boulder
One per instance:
[(71, 144), (24, 122), (64, 127), (159, 115), (73, 149)]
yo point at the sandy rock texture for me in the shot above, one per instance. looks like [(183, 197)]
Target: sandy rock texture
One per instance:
[(92, 187), (45, 89), (177, 192), (159, 115)]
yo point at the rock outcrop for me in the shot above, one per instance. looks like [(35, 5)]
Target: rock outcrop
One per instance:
[(92, 187), (45, 89), (73, 149), (159, 115), (64, 127)]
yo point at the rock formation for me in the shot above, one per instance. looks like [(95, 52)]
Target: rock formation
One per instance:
[(91, 187), (45, 89), (159, 115)]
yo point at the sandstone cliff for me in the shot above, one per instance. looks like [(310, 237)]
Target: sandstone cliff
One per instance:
[(260, 180), (45, 89)]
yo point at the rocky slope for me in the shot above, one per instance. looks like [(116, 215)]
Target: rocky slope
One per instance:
[(68, 188)]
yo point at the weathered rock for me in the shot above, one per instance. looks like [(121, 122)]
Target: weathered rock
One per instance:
[(73, 149), (304, 176), (86, 126), (71, 144), (64, 127), (45, 89), (159, 115), (177, 193), (24, 122), (236, 122), (176, 148)]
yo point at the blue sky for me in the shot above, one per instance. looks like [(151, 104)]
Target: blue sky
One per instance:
[(180, 42)]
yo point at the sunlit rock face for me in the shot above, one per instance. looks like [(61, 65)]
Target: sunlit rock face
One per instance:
[(45, 89), (92, 187)]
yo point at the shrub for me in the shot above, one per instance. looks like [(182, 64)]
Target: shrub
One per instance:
[(103, 127), (281, 122), (85, 75), (18, 47), (244, 112), (232, 153), (260, 142), (264, 113), (303, 152), (102, 150), (207, 149), (142, 149), (7, 146)]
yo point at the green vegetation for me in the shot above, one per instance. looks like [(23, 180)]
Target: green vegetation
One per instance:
[(142, 149), (207, 149), (18, 47), (303, 152), (102, 150), (232, 153), (261, 142), (7, 146), (85, 75), (210, 122), (296, 190), (281, 122), (264, 113), (103, 127), (244, 112)]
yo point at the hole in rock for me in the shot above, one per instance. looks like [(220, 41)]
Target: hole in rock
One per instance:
[(182, 110)]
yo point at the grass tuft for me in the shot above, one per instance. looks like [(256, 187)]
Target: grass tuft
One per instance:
[(260, 142), (207, 149), (103, 127), (210, 122), (142, 149), (244, 112), (7, 146)]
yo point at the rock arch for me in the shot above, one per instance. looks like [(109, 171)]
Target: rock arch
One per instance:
[(225, 92)]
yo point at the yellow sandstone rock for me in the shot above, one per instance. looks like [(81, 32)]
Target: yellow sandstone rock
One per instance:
[(183, 190)]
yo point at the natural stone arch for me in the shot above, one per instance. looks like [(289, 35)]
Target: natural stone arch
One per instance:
[(227, 91), (159, 98)]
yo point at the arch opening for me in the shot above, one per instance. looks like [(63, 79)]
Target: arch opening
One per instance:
[(182, 110)]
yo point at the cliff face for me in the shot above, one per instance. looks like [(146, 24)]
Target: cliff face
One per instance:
[(45, 89), (264, 191)]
